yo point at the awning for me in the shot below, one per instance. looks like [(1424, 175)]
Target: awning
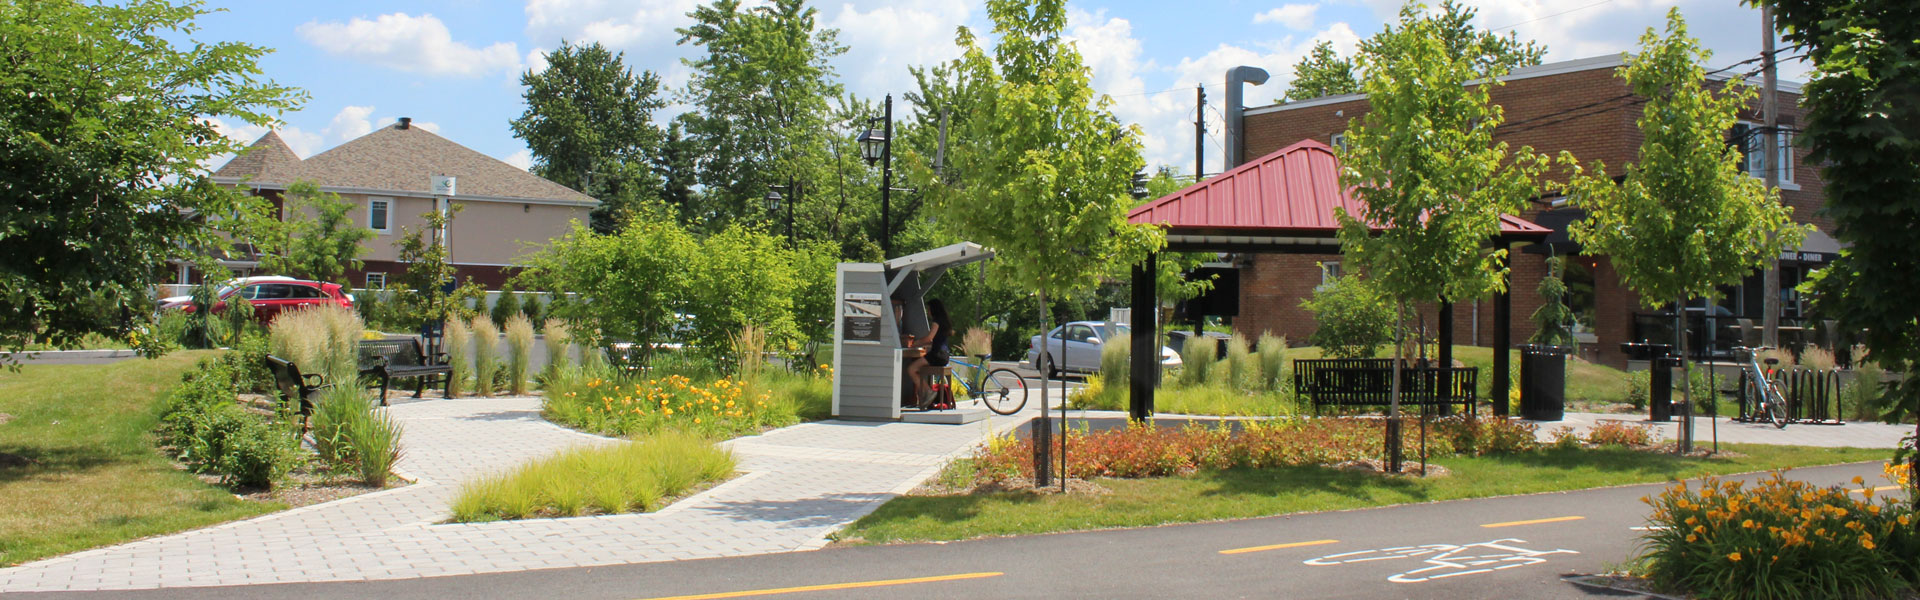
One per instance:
[(1817, 248)]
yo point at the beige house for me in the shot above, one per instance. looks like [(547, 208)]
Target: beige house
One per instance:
[(389, 174)]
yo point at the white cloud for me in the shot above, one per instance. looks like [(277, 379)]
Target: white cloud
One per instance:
[(415, 44), (1298, 17), (522, 159), (303, 143), (351, 122), (536, 60), (890, 36), (615, 23), (1159, 98)]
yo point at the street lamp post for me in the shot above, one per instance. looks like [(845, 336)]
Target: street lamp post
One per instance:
[(776, 202), (876, 145)]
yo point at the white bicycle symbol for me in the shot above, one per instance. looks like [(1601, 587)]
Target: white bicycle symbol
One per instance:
[(1448, 560)]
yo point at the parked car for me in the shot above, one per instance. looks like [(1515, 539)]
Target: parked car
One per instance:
[(224, 288), (272, 297), (1083, 343)]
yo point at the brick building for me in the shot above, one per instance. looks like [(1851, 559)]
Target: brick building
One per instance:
[(1578, 106)]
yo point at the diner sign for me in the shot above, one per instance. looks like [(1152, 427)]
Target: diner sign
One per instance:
[(860, 316)]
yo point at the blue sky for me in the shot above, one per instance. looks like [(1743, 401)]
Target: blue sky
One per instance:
[(454, 65)]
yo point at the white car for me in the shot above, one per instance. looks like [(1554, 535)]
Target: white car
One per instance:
[(229, 285), (1083, 343)]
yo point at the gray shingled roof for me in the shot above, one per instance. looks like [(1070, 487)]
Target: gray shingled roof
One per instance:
[(267, 157), (401, 160)]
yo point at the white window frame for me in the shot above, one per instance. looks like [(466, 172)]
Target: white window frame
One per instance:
[(388, 202), (1329, 271), (379, 277), (1752, 155), (1338, 141)]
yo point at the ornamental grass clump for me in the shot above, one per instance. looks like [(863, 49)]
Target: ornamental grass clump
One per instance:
[(1780, 539), (634, 476), (977, 342), (519, 352), (559, 339), (1116, 362), (1243, 371), (1197, 358), (486, 354), (338, 411), (1273, 359), (375, 440), (459, 345), (323, 340)]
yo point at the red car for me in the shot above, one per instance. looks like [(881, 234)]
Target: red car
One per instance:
[(270, 298)]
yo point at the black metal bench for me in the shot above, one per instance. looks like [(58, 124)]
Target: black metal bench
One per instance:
[(1344, 382), (406, 358), (295, 386)]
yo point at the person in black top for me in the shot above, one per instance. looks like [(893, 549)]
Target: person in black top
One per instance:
[(938, 329)]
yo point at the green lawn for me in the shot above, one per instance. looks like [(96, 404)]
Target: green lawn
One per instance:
[(1242, 493), (96, 478)]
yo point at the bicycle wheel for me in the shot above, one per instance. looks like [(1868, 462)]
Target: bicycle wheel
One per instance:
[(1004, 391), (1778, 413)]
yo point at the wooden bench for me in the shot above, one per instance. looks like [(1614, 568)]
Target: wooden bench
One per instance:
[(1369, 382), (406, 358), (295, 386)]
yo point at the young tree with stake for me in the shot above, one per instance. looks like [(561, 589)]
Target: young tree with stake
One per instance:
[(1686, 219), (1433, 180)]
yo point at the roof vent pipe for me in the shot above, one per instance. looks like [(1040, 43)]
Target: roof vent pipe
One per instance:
[(1236, 109), (407, 122)]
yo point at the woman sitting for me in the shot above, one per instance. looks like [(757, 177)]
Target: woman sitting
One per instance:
[(935, 341)]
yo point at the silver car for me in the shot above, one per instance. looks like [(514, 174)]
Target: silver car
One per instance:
[(1083, 342)]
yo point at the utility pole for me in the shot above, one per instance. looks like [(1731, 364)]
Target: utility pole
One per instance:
[(1199, 133), (1770, 145)]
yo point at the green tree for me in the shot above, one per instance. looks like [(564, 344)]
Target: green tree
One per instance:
[(626, 287), (423, 295), (1864, 130), (107, 113), (1044, 168), (318, 239), (1686, 219), (1323, 73), (740, 277), (679, 173), (589, 124), (1551, 319), (1433, 180), (761, 91), (1351, 318)]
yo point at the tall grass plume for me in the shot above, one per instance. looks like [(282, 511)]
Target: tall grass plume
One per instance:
[(486, 354), (459, 346), (1273, 360), (559, 338), (519, 352)]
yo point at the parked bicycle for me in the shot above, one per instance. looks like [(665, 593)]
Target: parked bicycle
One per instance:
[(1758, 390), (1002, 390)]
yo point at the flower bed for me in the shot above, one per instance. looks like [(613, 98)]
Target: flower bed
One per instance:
[(1782, 539), (716, 408), (1147, 451)]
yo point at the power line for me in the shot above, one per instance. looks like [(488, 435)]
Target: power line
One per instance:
[(1552, 15)]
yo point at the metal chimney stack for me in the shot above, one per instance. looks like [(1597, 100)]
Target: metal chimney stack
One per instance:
[(1236, 110)]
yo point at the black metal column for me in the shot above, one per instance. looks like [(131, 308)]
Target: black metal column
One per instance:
[(1502, 336), (1446, 355), (1146, 339)]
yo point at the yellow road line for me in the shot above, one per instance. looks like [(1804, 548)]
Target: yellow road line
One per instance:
[(1278, 546), (1884, 488), (1532, 522), (832, 586)]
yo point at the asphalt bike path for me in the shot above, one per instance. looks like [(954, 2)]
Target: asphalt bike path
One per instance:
[(1507, 547)]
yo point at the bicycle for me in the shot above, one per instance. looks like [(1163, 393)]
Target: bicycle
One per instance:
[(1758, 386), (1002, 390)]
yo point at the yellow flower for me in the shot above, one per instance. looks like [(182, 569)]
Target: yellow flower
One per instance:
[(1875, 509), (1866, 542), (1749, 524), (1693, 520), (1691, 538), (696, 420), (668, 412), (1733, 556), (1904, 520)]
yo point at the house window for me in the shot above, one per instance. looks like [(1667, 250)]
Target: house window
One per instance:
[(1748, 137), (376, 281), (1329, 271), (1339, 140), (377, 210)]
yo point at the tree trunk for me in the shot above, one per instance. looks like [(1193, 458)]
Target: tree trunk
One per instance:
[(1393, 402), (1042, 428), (1686, 374)]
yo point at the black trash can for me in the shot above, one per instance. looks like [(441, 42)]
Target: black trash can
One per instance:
[(1543, 382), (1661, 363)]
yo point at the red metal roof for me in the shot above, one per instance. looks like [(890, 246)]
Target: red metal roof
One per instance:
[(1291, 192)]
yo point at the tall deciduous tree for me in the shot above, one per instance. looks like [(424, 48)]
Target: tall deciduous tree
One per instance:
[(1864, 128), (762, 91), (1432, 178), (1044, 169), (317, 240), (1323, 73), (105, 120), (589, 123), (1686, 219)]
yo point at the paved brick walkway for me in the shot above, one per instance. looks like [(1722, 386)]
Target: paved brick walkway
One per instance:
[(799, 485), (1852, 434)]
